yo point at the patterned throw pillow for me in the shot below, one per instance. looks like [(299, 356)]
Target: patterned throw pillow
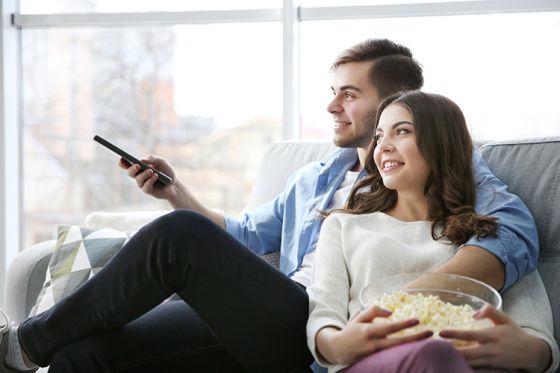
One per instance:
[(78, 255)]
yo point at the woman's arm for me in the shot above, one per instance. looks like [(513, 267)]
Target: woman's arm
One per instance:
[(329, 288)]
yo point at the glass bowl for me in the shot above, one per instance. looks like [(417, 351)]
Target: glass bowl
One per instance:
[(433, 315), (455, 289)]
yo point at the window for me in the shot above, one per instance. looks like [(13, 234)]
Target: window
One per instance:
[(501, 69), (208, 96), (209, 105)]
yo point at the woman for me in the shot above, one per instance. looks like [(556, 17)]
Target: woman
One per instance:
[(410, 215)]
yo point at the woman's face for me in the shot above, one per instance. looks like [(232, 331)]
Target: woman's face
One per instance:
[(396, 155)]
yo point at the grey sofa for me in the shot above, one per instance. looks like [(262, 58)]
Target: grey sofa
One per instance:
[(531, 168)]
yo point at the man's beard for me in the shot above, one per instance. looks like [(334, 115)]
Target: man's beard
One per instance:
[(361, 139)]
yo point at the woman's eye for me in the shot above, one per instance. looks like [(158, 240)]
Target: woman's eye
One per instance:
[(402, 131), (377, 137)]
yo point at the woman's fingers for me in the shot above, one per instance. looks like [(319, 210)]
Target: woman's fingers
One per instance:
[(381, 330), (474, 353), (497, 317), (390, 342), (478, 356), (371, 313), (480, 336)]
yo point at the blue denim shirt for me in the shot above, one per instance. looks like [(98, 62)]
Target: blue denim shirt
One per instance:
[(290, 222)]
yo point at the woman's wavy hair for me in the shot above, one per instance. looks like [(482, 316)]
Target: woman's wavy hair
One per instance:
[(444, 142)]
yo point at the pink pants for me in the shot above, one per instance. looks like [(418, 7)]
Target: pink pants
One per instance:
[(426, 356)]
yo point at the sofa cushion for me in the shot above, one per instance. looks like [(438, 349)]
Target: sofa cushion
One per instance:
[(79, 253), (280, 160), (531, 169)]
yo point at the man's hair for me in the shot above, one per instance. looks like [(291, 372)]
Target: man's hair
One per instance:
[(444, 142), (393, 70)]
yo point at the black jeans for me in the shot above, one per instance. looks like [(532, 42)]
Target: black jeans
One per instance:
[(237, 313)]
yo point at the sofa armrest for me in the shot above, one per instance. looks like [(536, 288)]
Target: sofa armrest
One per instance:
[(26, 275), (125, 221), (122, 221)]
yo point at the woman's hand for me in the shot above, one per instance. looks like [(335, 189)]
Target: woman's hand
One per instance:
[(505, 345), (361, 337)]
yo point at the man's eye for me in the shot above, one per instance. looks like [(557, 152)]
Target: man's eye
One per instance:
[(348, 95)]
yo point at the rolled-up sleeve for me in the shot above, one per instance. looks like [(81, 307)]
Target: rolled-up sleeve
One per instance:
[(516, 244), (261, 229)]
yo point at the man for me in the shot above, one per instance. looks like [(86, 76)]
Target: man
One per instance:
[(238, 313)]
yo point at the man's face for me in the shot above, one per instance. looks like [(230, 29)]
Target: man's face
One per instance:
[(354, 105)]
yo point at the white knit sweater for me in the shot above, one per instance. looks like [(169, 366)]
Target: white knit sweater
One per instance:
[(354, 250)]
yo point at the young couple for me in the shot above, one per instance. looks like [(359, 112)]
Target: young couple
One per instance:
[(237, 313)]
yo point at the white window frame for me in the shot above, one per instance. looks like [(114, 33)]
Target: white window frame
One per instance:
[(10, 141), (291, 15)]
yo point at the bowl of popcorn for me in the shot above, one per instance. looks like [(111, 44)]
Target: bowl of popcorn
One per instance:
[(438, 300)]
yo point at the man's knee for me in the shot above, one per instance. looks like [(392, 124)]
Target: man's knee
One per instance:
[(181, 223), (184, 236)]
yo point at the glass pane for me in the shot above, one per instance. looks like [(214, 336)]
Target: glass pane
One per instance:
[(203, 97), (502, 70), (327, 3), (109, 6)]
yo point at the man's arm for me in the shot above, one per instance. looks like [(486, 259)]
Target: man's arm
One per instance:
[(176, 193), (499, 261), (182, 198), (477, 263), (265, 228), (517, 243), (261, 229)]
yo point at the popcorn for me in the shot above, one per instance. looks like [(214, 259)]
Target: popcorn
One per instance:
[(433, 313)]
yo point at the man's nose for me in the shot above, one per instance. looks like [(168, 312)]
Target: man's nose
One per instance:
[(334, 106)]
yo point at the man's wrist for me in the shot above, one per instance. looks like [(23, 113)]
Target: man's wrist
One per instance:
[(178, 196)]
